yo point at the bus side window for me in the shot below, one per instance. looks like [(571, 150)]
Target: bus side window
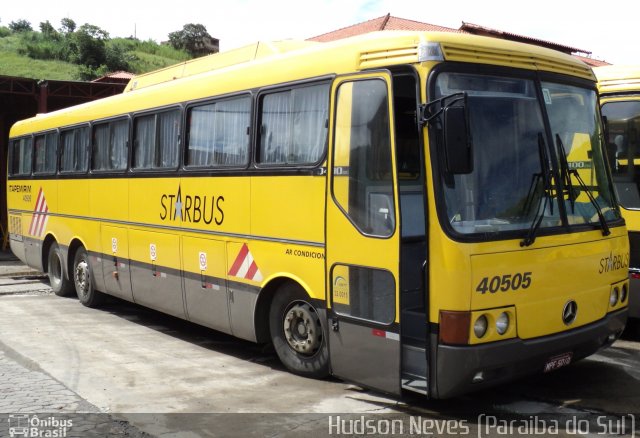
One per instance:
[(362, 170), (46, 148), (75, 150), (22, 156), (110, 145), (293, 125), (218, 133), (156, 140)]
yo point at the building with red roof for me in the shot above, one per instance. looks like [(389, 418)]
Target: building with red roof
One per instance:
[(389, 22)]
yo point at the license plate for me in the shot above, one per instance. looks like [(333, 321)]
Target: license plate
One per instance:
[(558, 362)]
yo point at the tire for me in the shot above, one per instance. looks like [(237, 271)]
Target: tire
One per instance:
[(297, 333), (60, 284), (83, 280)]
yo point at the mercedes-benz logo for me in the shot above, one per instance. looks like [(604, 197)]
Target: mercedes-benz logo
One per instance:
[(569, 312)]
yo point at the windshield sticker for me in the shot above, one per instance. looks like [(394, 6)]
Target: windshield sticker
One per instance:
[(547, 96)]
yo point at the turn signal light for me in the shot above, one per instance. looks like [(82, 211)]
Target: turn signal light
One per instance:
[(454, 327)]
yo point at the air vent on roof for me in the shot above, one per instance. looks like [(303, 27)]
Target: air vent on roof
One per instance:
[(382, 58), (528, 60)]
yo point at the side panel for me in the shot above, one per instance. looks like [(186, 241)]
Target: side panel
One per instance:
[(40, 198), (116, 266), (205, 286), (244, 277), (288, 207), (16, 235), (154, 283), (109, 199)]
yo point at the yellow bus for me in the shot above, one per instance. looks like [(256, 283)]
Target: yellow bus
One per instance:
[(619, 88), (409, 211)]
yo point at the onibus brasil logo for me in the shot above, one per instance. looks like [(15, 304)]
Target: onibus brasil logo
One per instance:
[(24, 425)]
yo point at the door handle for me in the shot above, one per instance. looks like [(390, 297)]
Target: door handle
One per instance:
[(334, 325)]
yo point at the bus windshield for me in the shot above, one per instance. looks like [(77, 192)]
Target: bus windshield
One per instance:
[(624, 149), (578, 136), (514, 182)]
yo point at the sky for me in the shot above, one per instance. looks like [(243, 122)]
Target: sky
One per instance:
[(610, 36)]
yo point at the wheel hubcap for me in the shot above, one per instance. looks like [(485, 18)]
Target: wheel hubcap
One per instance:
[(82, 278), (302, 328)]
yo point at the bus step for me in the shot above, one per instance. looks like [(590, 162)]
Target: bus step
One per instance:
[(413, 325), (414, 383), (414, 361)]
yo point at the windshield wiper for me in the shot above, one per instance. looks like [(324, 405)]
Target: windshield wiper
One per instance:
[(587, 191), (545, 176), (565, 175)]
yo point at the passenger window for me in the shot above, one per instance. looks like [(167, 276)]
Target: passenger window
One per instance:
[(110, 145), (21, 157), (362, 179), (156, 141), (218, 133), (294, 125), (75, 150), (46, 151)]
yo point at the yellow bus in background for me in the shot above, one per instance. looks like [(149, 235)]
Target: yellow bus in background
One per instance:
[(619, 88), (410, 211)]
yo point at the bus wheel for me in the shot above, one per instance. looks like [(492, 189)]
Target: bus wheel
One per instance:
[(296, 333), (83, 280), (60, 285)]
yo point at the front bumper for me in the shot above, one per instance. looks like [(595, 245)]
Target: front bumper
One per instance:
[(500, 362)]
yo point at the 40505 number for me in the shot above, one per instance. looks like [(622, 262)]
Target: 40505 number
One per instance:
[(505, 283)]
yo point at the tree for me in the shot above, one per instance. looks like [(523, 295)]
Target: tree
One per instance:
[(20, 26), (68, 25), (47, 29), (118, 58), (90, 45), (193, 38)]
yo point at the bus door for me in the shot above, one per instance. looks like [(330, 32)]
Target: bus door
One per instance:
[(362, 235)]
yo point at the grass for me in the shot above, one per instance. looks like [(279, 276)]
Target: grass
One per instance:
[(147, 56), (14, 64)]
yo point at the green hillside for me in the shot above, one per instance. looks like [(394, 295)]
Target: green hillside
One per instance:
[(14, 64), (40, 56)]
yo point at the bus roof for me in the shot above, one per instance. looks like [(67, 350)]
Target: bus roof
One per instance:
[(216, 61), (618, 78), (265, 64)]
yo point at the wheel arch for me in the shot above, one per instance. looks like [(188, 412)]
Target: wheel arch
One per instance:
[(263, 303), (49, 240), (74, 245)]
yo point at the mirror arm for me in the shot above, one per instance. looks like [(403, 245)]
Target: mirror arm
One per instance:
[(425, 113)]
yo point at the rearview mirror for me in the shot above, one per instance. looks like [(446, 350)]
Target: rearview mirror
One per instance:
[(457, 141)]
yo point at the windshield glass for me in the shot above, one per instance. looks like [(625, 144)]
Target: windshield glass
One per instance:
[(505, 191), (576, 129), (514, 185), (623, 146)]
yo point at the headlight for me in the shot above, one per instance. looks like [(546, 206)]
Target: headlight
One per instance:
[(502, 323), (480, 326), (625, 293), (613, 298)]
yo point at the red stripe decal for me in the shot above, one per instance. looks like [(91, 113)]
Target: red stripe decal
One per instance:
[(252, 271), (39, 200), (239, 260), (33, 221), (380, 333), (43, 220)]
